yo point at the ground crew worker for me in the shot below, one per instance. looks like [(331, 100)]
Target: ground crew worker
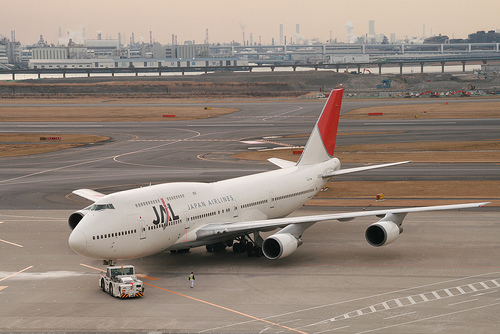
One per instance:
[(191, 279)]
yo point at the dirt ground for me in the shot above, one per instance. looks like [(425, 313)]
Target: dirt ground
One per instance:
[(413, 193), (20, 144), (427, 111)]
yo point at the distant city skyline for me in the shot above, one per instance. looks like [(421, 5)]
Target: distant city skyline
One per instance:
[(226, 20)]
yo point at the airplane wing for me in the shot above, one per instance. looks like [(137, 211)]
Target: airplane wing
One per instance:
[(216, 231), (89, 194), (360, 169)]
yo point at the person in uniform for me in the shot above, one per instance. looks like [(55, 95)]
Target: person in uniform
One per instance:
[(191, 279)]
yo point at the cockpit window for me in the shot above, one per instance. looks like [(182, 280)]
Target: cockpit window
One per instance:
[(100, 207)]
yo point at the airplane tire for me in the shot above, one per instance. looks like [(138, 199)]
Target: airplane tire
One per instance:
[(236, 247), (210, 248), (102, 285), (111, 289)]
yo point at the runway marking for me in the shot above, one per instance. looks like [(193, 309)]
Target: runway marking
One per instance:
[(399, 315), (354, 300), (465, 301), (3, 287), (14, 274), (428, 318), (11, 243), (211, 304), (425, 297)]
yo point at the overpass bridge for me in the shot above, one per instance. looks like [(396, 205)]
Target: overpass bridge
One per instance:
[(395, 61)]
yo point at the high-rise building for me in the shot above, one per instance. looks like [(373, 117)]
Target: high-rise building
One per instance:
[(281, 34), (371, 27)]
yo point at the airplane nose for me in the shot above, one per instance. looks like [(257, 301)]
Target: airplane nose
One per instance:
[(77, 241)]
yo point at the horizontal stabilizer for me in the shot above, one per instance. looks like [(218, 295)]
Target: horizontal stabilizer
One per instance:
[(281, 163), (89, 194), (360, 169)]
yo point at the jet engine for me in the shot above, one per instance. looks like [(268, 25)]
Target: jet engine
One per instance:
[(382, 233), (75, 217), (280, 245)]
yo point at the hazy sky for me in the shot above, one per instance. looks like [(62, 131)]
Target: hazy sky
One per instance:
[(224, 19)]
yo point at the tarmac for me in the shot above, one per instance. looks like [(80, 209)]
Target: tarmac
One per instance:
[(441, 275)]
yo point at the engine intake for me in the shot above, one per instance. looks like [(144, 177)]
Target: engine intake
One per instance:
[(280, 245), (75, 217), (382, 233)]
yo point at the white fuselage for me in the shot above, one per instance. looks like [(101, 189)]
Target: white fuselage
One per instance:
[(144, 221)]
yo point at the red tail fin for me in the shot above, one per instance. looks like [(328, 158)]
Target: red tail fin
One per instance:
[(321, 144)]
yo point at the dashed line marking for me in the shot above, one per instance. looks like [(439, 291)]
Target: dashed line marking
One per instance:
[(484, 285), (436, 295), (425, 297), (448, 292)]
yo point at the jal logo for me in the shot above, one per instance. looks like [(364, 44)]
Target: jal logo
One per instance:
[(166, 214)]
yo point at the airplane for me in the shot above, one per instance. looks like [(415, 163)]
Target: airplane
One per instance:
[(178, 216)]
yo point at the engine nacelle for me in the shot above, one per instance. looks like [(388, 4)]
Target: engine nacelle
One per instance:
[(280, 245), (75, 218), (382, 233)]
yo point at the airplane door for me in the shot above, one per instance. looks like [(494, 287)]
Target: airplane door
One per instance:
[(136, 222), (142, 229), (186, 220), (235, 209), (271, 200)]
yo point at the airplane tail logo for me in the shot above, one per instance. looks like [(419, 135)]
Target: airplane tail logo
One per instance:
[(321, 144)]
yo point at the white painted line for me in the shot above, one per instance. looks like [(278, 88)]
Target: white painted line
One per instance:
[(436, 295), (399, 315), (472, 287), (398, 302), (360, 312), (412, 301), (330, 330), (11, 243), (373, 309), (353, 300), (384, 304), (495, 282), (424, 297), (485, 286), (465, 301), (428, 318), (448, 292), (460, 290)]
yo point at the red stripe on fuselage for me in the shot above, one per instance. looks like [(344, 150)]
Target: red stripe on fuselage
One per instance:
[(329, 120), (168, 213)]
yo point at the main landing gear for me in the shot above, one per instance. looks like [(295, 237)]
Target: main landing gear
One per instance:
[(241, 244)]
